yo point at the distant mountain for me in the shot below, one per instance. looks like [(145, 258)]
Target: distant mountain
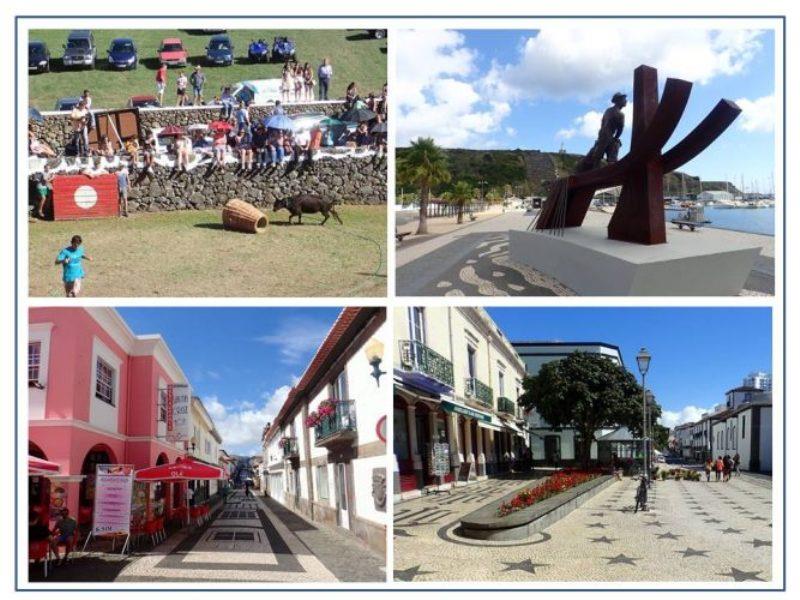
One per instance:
[(531, 172)]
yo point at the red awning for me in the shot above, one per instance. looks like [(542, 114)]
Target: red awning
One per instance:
[(40, 466), (187, 469)]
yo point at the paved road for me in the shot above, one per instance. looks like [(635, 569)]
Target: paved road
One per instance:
[(695, 531), (474, 261), (254, 540)]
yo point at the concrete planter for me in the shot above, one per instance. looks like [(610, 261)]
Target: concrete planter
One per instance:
[(484, 524)]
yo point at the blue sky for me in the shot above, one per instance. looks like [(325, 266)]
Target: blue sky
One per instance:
[(698, 353), (241, 361), (541, 89)]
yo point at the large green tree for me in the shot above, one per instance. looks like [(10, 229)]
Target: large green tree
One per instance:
[(461, 194), (424, 165), (587, 392)]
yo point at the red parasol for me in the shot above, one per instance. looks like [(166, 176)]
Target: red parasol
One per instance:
[(171, 131), (220, 126), (187, 469), (40, 466)]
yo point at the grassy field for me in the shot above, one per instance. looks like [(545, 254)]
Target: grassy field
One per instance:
[(187, 253), (354, 57)]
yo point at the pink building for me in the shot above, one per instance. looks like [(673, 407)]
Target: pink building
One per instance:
[(94, 398)]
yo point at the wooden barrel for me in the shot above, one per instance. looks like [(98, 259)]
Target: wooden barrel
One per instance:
[(241, 216)]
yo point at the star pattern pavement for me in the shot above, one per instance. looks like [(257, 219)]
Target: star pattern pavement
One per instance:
[(743, 575), (524, 565), (621, 559), (603, 540), (409, 574), (692, 552)]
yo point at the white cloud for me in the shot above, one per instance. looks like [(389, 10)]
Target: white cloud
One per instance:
[(671, 418), (586, 64), (758, 116), (296, 337), (241, 427)]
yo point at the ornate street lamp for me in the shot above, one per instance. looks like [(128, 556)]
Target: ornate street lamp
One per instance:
[(374, 353), (643, 362)]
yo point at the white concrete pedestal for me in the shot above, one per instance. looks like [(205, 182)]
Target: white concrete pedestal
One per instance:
[(700, 263)]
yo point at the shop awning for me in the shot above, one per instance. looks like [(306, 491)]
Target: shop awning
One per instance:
[(423, 383), (186, 469), (453, 406), (40, 466)]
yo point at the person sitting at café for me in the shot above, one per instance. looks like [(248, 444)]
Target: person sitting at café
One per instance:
[(63, 533), (37, 531)]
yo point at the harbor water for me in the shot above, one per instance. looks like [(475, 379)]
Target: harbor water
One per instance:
[(750, 220)]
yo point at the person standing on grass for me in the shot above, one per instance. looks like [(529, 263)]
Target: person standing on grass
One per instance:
[(71, 261), (161, 83), (182, 83), (324, 75), (43, 186), (198, 81), (124, 186)]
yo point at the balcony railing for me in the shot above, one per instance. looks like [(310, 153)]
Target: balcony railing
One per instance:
[(477, 390), (337, 426), (505, 405), (289, 447), (416, 356)]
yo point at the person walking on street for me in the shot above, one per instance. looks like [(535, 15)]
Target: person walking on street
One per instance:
[(737, 464), (726, 468), (718, 466), (709, 466), (324, 75)]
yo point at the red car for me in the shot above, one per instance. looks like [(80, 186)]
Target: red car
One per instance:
[(172, 53)]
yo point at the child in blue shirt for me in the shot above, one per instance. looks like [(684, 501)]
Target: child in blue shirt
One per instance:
[(71, 259)]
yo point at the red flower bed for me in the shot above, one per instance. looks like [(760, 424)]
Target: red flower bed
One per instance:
[(559, 482)]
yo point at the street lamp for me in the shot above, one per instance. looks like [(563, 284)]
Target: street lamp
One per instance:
[(643, 362), (651, 402)]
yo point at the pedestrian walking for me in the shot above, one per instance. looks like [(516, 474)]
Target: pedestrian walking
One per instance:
[(727, 465), (737, 464), (71, 259), (324, 75), (718, 467), (709, 466)]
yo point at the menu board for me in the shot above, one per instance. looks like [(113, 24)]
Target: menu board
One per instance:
[(440, 465), (178, 402), (112, 500)]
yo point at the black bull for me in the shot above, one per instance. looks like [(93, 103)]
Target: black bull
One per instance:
[(308, 204)]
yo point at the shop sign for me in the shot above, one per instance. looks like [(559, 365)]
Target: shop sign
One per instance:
[(178, 402), (460, 409), (112, 500)]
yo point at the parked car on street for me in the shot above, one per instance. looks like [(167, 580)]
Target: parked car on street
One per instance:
[(283, 48), (38, 57), (220, 50), (122, 54), (143, 102), (67, 103), (80, 49), (172, 53)]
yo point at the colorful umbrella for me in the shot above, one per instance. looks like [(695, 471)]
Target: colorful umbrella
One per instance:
[(171, 131), (186, 469), (220, 126), (279, 122), (330, 122), (40, 466)]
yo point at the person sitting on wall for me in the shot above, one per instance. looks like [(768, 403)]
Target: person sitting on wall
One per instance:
[(228, 101), (244, 145), (183, 148), (39, 148), (260, 151), (219, 145), (63, 533), (132, 149), (105, 148), (275, 147)]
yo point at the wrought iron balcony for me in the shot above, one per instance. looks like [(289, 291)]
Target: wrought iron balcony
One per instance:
[(341, 425), (505, 405), (289, 447), (479, 391), (416, 356)]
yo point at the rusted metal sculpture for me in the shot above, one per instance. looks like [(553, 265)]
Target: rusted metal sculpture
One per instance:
[(639, 214)]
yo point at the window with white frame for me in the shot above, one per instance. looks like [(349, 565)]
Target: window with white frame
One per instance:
[(322, 482), (501, 382), (104, 386), (208, 447), (34, 361)]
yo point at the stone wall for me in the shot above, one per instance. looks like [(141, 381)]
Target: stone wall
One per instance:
[(349, 180), (56, 128)]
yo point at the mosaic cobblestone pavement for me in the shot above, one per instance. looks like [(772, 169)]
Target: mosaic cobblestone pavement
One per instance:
[(694, 531), (257, 540)]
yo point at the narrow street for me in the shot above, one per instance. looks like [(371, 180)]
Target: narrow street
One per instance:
[(247, 540), (694, 531)]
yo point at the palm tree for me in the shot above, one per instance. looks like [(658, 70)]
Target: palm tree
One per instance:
[(461, 194), (425, 166)]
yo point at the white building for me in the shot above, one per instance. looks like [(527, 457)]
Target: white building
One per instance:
[(745, 430), (552, 446), (456, 384), (759, 380), (683, 440), (205, 446), (325, 453)]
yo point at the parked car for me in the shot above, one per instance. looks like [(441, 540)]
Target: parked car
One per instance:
[(283, 48), (38, 57), (258, 51), (80, 49), (143, 102), (122, 54), (67, 103), (377, 34), (220, 50), (172, 53)]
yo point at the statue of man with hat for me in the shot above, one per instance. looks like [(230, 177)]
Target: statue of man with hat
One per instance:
[(608, 142)]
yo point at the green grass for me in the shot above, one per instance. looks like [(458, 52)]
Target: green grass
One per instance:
[(187, 253), (354, 58)]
